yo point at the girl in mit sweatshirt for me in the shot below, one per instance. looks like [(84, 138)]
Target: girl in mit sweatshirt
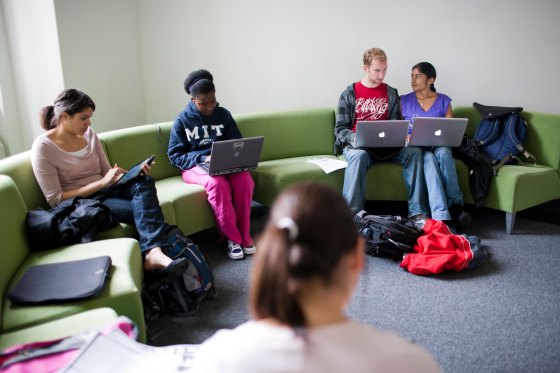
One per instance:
[(195, 129)]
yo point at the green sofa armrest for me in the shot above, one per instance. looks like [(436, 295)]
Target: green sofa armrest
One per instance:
[(19, 168)]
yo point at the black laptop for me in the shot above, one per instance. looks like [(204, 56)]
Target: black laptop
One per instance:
[(231, 156)]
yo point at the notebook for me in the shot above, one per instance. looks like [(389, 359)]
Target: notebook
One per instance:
[(62, 282), (437, 131), (381, 133), (231, 156), (132, 173)]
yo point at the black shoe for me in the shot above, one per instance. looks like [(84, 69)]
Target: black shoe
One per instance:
[(450, 225), (460, 217)]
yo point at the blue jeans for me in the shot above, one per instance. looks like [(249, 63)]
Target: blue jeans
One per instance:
[(441, 181), (359, 161), (137, 203)]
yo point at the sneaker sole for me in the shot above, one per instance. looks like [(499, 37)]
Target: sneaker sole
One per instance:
[(236, 256)]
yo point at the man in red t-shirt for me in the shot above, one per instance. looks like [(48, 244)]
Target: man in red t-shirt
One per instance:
[(372, 99)]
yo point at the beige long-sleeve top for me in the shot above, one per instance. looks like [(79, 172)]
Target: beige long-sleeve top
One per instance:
[(57, 170)]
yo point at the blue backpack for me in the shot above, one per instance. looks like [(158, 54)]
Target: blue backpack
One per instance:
[(502, 134)]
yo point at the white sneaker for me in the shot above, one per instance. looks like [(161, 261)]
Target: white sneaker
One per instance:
[(249, 250), (234, 250)]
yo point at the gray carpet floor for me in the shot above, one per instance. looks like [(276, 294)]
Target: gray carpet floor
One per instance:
[(500, 317)]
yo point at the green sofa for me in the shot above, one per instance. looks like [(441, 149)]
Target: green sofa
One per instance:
[(24, 323), (291, 139)]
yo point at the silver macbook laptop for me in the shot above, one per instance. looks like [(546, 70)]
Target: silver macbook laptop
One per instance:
[(381, 133), (231, 156), (437, 131)]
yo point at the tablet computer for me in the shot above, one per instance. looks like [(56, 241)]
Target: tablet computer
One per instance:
[(132, 173)]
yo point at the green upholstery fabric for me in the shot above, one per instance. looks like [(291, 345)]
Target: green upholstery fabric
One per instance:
[(14, 248), (67, 326), (122, 292), (291, 133), (290, 139), (189, 204), (18, 167), (272, 176), (129, 146)]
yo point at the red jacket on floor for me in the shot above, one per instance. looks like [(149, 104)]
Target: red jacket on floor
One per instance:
[(438, 250)]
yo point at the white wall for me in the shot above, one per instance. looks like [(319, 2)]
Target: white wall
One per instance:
[(132, 56), (9, 116), (34, 63), (268, 55), (100, 52)]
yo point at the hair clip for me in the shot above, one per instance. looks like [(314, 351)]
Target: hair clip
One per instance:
[(288, 223)]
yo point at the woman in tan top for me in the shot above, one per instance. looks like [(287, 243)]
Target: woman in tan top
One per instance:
[(68, 161)]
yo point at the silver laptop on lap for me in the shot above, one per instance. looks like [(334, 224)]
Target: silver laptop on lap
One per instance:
[(381, 133), (438, 131), (231, 156)]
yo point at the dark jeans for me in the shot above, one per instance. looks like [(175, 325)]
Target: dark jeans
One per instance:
[(137, 203)]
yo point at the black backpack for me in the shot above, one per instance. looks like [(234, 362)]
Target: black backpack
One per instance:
[(180, 295), (386, 235), (480, 168), (168, 295), (502, 134)]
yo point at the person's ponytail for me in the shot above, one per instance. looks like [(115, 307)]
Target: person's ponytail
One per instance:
[(274, 293), (46, 117)]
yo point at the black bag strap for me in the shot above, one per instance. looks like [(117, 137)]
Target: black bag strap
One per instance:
[(518, 144), (495, 111), (510, 156)]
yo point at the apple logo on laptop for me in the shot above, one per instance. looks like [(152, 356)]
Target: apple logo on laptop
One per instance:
[(437, 133), (381, 134)]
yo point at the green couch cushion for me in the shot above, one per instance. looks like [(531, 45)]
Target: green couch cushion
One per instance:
[(385, 182), (192, 212), (61, 328), (122, 292), (291, 134), (272, 176)]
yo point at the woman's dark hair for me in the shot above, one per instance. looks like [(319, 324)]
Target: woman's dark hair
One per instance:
[(70, 101), (309, 231), (427, 69), (199, 82)]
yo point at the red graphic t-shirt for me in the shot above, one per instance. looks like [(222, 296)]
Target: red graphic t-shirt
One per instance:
[(371, 103)]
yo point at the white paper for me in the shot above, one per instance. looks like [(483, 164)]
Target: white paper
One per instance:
[(328, 164), (117, 352)]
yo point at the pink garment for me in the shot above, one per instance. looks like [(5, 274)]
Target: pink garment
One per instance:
[(54, 358), (230, 197)]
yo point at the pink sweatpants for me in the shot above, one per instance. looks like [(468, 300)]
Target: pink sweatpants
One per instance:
[(230, 197)]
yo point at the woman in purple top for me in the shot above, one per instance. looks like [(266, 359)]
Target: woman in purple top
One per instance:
[(68, 161), (444, 194)]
